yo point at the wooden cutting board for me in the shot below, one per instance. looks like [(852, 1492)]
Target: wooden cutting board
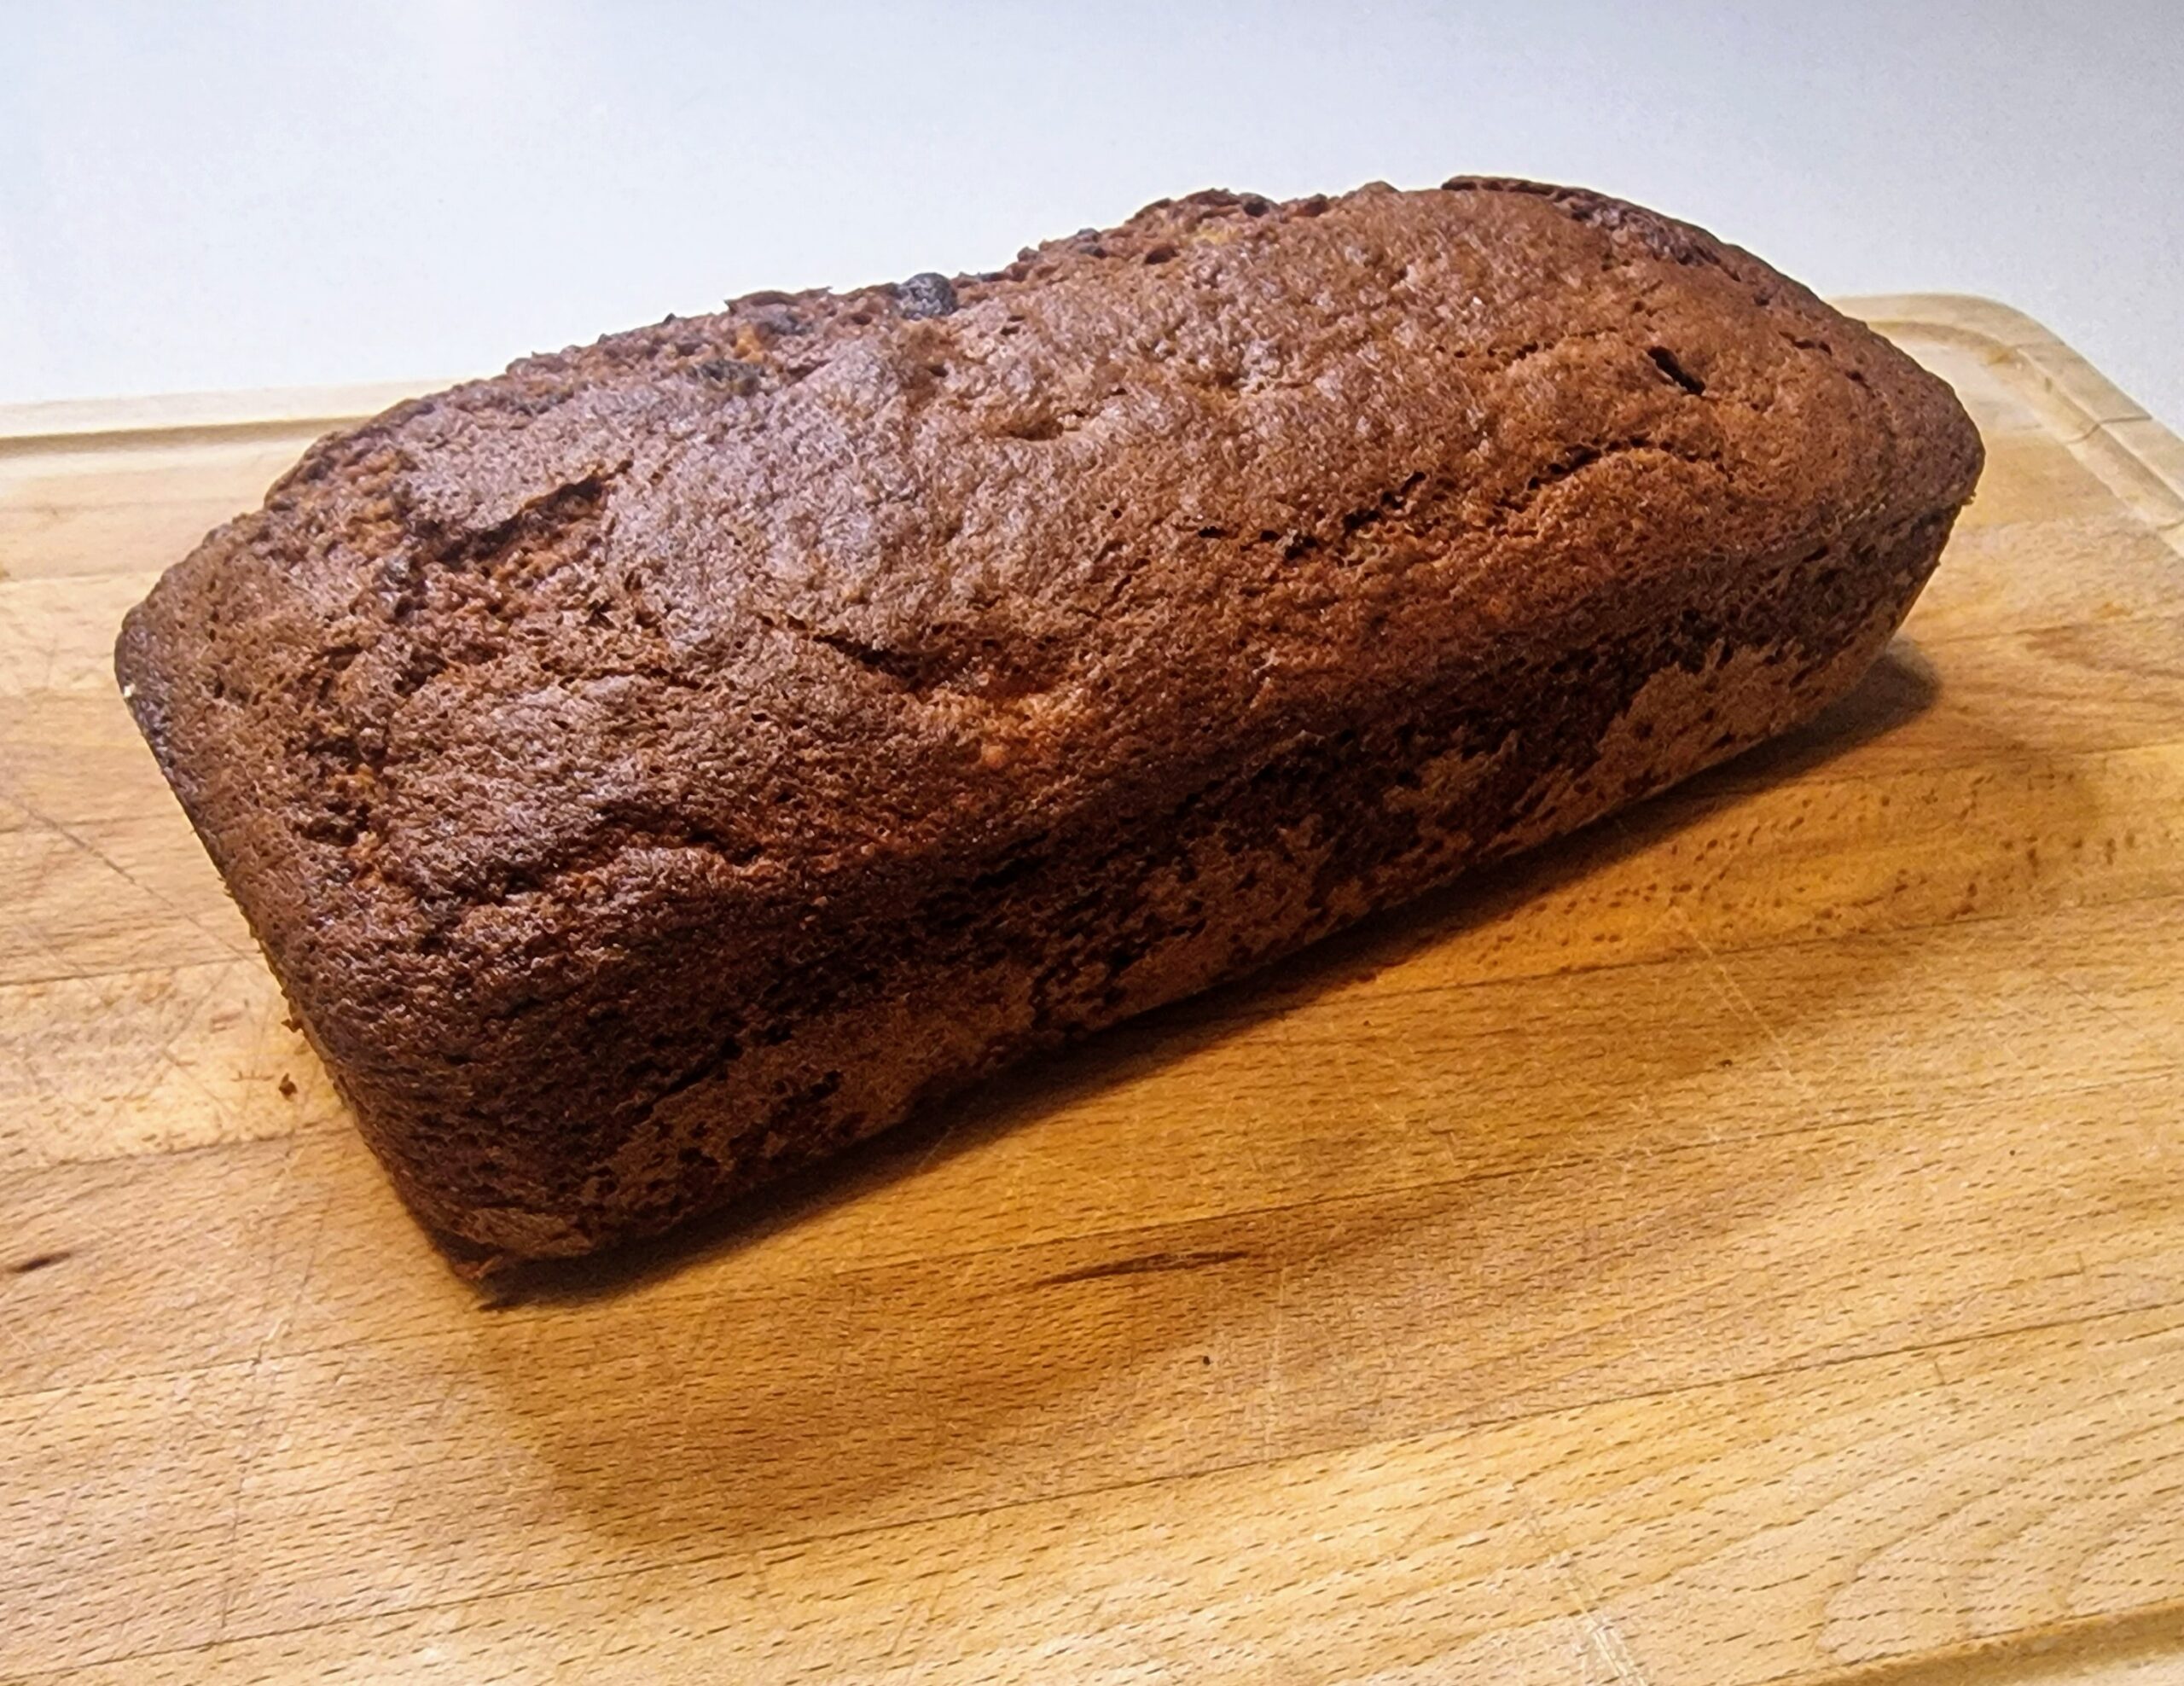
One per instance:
[(1743, 1243)]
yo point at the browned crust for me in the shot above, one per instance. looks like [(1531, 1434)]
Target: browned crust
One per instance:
[(659, 765)]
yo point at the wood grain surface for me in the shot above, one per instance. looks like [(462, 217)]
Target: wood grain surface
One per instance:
[(1742, 1243)]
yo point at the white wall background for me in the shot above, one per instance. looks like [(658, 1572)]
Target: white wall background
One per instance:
[(198, 197)]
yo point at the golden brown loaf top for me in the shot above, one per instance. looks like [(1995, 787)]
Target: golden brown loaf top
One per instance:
[(567, 735)]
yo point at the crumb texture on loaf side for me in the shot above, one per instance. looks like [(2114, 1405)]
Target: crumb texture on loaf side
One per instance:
[(662, 763)]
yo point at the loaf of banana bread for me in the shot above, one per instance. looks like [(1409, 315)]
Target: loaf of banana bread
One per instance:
[(675, 758)]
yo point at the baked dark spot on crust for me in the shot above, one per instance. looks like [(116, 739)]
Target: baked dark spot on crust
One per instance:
[(926, 294)]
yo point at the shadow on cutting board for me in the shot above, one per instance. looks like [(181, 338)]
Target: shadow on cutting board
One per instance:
[(798, 1368)]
